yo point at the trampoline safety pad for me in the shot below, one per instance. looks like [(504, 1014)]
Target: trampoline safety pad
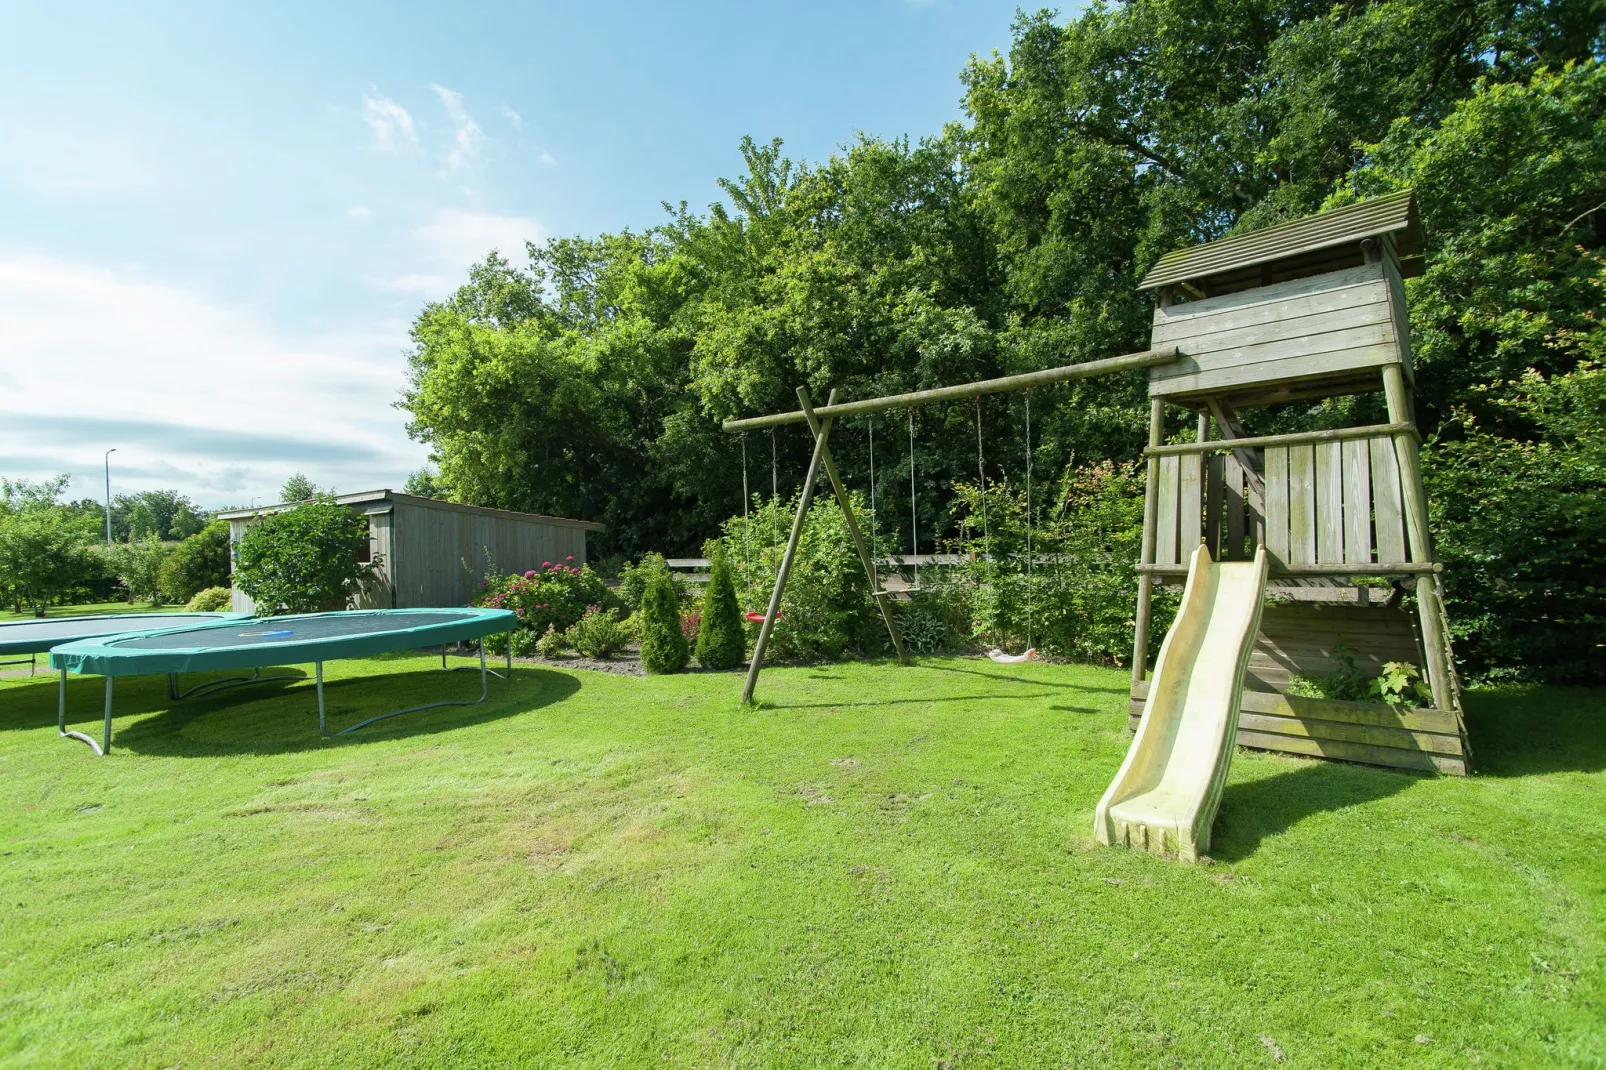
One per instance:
[(255, 642)]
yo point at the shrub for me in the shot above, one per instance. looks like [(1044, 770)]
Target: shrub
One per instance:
[(634, 579), (139, 565), (45, 548), (211, 600), (663, 644), (598, 634), (721, 641), (553, 596), (827, 611), (199, 562), (552, 642), (304, 559)]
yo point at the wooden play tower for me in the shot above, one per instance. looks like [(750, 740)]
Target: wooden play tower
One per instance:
[(1310, 309)]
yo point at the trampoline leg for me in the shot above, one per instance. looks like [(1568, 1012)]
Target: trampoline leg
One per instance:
[(106, 739), (509, 654), (321, 728), (61, 716), (484, 687), (172, 686)]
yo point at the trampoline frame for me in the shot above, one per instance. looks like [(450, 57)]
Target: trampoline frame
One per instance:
[(104, 747)]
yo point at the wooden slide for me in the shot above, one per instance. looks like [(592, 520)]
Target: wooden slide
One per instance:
[(1166, 794)]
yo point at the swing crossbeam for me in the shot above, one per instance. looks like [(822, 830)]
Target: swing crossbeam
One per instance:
[(819, 421), (1147, 358)]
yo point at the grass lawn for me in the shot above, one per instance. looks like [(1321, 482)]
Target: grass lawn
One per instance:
[(89, 609), (879, 867)]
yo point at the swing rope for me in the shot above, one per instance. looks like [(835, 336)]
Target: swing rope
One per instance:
[(875, 574), (775, 494), (981, 479), (1028, 518), (747, 525), (914, 520)]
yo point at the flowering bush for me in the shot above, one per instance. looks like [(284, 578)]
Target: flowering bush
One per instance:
[(554, 595)]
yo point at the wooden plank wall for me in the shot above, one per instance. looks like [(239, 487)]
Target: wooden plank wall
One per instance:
[(1328, 503), (1307, 328), (440, 555), (1303, 639)]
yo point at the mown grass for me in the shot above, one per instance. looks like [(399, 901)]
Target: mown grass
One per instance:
[(89, 609), (878, 867)]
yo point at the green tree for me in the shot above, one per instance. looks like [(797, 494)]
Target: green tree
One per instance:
[(423, 484), (45, 548), (298, 488), (199, 562), (721, 640), (304, 559), (663, 643), (139, 563)]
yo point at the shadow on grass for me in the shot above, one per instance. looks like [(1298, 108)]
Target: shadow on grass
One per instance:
[(1530, 731), (1252, 811), (1025, 679), (899, 701), (282, 717)]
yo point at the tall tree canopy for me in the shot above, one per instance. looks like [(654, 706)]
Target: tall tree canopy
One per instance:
[(590, 379)]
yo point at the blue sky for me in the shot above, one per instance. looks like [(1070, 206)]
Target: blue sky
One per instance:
[(217, 223)]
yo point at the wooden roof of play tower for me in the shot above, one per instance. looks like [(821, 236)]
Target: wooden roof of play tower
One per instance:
[(1310, 308)]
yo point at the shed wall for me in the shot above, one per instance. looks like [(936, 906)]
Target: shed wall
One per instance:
[(439, 555)]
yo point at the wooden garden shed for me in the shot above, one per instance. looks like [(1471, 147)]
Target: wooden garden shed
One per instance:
[(435, 553)]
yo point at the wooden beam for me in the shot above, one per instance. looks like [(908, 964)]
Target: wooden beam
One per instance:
[(1238, 445), (1147, 358), (1151, 509), (854, 533), (1374, 568), (786, 560)]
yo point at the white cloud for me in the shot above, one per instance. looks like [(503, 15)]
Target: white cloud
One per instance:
[(467, 137), (195, 394), (513, 117), (546, 157), (456, 238), (393, 126), (359, 211)]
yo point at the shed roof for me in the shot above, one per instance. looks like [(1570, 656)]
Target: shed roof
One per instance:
[(1391, 214), (388, 497)]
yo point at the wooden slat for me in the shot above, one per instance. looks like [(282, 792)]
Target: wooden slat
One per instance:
[(1299, 319), (1379, 333), (1194, 378), (1277, 503), (1374, 735), (1439, 722), (1332, 434), (1165, 534), (1301, 505), (1233, 506), (1357, 501), (1189, 505), (1329, 502), (1387, 506), (1215, 491), (1390, 757), (1327, 292)]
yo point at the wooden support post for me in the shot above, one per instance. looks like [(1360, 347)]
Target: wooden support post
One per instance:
[(1151, 505), (853, 529), (1434, 631), (786, 559), (1249, 461)]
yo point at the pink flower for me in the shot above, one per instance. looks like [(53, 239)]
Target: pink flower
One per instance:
[(546, 564), (530, 575), (569, 558)]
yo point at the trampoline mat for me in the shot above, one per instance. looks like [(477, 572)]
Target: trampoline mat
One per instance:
[(38, 636), (246, 643), (291, 630)]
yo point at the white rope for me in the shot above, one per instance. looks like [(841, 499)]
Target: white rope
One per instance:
[(914, 519)]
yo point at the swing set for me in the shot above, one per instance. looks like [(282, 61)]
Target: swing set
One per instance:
[(820, 421)]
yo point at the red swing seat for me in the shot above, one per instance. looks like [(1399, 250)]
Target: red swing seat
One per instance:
[(758, 618)]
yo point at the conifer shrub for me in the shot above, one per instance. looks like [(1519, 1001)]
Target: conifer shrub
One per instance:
[(663, 644), (721, 640)]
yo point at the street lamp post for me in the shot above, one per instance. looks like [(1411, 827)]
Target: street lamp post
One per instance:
[(109, 495)]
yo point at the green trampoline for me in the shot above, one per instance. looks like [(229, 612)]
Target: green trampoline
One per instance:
[(255, 643)]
